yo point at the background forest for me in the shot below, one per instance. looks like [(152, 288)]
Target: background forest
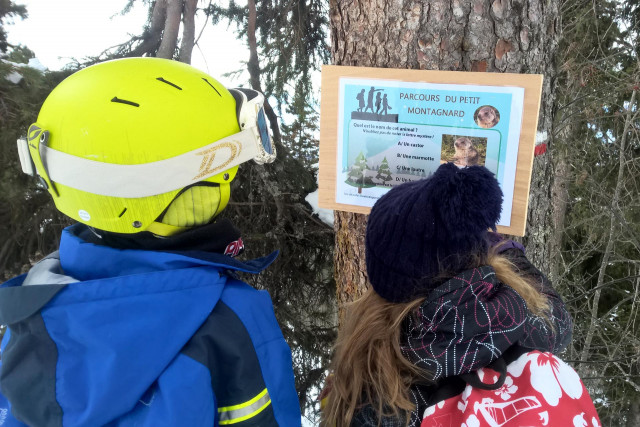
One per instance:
[(592, 141)]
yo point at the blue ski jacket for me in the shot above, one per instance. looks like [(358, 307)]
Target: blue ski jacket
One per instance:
[(119, 337)]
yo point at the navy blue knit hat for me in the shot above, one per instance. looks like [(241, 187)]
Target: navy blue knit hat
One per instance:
[(419, 230)]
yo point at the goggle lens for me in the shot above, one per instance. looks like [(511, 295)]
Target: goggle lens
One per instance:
[(264, 132)]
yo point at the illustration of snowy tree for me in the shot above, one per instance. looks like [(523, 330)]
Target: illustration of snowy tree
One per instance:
[(357, 174), (384, 173)]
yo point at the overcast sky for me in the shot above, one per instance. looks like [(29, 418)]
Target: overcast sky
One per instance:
[(57, 30)]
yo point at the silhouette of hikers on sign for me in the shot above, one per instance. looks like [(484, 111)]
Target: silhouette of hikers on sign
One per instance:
[(360, 98), (378, 102), (385, 105), (370, 98), (375, 108)]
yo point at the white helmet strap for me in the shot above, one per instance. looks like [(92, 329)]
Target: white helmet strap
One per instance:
[(146, 179)]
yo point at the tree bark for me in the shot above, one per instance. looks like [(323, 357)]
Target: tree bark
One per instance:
[(517, 36), (153, 35), (254, 70), (188, 31), (349, 259), (633, 417), (171, 27)]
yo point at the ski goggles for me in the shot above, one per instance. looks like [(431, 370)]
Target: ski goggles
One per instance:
[(253, 142), (250, 109)]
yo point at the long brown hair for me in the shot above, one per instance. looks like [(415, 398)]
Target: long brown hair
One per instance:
[(368, 366)]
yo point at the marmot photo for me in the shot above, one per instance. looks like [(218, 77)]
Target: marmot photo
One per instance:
[(466, 153), (487, 116)]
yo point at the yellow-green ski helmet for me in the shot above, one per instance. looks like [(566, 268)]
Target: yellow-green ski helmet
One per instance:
[(144, 144)]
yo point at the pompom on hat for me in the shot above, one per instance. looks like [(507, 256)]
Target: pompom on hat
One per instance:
[(419, 230)]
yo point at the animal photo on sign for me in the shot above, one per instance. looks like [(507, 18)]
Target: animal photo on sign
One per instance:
[(463, 150), (486, 116)]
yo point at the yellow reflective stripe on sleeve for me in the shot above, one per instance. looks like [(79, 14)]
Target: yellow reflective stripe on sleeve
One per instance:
[(243, 411)]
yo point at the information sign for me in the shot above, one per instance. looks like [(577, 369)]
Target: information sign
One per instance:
[(384, 127)]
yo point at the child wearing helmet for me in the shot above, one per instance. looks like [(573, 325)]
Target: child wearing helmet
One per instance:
[(457, 328), (138, 318)]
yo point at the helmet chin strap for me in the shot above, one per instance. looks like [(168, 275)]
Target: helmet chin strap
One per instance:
[(94, 232), (159, 229), (197, 205)]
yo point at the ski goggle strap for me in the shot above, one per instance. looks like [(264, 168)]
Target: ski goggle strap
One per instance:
[(140, 180)]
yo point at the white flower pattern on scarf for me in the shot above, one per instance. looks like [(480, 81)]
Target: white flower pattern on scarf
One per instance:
[(550, 376), (472, 421), (507, 389), (578, 421), (432, 409)]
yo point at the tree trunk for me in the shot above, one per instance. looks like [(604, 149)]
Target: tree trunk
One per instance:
[(171, 27), (501, 36), (188, 31), (253, 67), (350, 269), (633, 417), (153, 35)]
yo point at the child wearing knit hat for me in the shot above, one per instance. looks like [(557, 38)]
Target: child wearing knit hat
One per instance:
[(458, 325)]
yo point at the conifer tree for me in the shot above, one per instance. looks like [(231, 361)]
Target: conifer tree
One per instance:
[(9, 10), (358, 171), (29, 223), (384, 173), (599, 239)]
